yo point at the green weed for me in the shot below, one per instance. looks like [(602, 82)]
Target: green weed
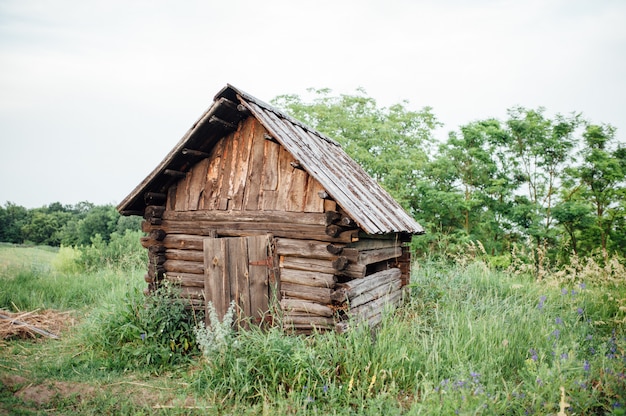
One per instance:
[(142, 332)]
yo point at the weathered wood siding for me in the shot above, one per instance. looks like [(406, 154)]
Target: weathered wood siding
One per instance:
[(247, 171), (324, 268)]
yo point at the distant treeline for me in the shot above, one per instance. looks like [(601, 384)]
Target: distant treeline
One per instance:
[(57, 224)]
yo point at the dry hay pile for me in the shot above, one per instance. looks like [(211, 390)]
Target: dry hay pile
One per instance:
[(47, 323)]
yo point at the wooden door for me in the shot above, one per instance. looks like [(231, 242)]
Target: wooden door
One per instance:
[(238, 269)]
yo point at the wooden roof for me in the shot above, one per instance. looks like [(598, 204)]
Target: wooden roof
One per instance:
[(364, 200)]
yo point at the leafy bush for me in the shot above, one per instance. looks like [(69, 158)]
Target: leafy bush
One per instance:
[(67, 260), (122, 252), (138, 331)]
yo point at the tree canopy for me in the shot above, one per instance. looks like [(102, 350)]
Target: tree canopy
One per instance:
[(555, 183), (57, 224)]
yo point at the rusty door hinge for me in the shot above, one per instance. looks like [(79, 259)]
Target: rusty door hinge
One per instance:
[(268, 262)]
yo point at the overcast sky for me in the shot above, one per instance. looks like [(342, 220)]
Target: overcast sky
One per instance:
[(93, 94)]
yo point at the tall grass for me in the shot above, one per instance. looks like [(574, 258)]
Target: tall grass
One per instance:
[(467, 341), (68, 278)]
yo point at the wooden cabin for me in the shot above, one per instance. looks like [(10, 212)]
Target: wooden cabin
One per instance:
[(255, 207)]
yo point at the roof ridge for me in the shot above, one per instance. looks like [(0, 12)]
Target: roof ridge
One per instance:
[(244, 95)]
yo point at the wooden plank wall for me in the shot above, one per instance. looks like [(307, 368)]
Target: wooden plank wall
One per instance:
[(324, 285), (247, 171)]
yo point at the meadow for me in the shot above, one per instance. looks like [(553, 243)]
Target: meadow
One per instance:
[(468, 340)]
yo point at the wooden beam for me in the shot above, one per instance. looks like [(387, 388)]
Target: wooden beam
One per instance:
[(290, 319), (226, 124), (189, 255), (373, 244), (340, 263), (175, 173), (307, 278), (186, 279), (323, 195), (183, 266), (295, 305), (248, 216), (127, 213), (354, 288), (184, 241), (296, 165), (158, 234), (375, 293), (321, 267), (154, 211), (346, 222), (374, 256), (269, 137), (154, 198), (196, 153), (316, 294), (228, 103), (303, 248), (332, 217), (243, 110)]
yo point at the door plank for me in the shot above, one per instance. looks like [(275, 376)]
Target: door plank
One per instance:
[(216, 281), (258, 255), (238, 274)]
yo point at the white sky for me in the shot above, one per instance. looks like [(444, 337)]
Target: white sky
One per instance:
[(93, 94)]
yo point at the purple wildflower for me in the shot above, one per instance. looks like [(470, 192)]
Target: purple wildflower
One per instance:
[(143, 336), (542, 300), (580, 311), (533, 354), (586, 366), (558, 321), (325, 388), (564, 291), (556, 333), (582, 286), (564, 356), (539, 381)]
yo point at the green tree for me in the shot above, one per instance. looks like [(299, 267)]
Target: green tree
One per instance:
[(476, 168), (539, 150), (389, 143), (101, 219), (602, 176), (12, 218)]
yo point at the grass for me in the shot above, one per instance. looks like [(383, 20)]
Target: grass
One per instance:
[(467, 341), (14, 256), (40, 286)]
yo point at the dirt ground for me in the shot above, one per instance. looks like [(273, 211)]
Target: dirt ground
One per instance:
[(30, 395), (46, 395)]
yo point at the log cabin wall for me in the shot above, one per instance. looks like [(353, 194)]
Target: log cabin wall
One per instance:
[(250, 185)]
